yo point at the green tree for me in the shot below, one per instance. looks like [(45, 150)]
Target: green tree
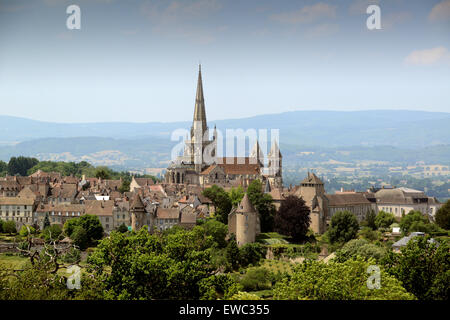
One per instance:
[(9, 227), (423, 268), (46, 221), (370, 220), (221, 286), (20, 165), (384, 219), (414, 221), (217, 230), (221, 201), (103, 173), (362, 248), (316, 280), (293, 218), (343, 227), (53, 232), (264, 204), (149, 266), (80, 237), (3, 168), (24, 231), (236, 195), (251, 253), (122, 228), (255, 279), (125, 187), (232, 254), (1, 225), (443, 216), (93, 230)]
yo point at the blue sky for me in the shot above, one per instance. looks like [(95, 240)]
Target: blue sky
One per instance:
[(138, 60)]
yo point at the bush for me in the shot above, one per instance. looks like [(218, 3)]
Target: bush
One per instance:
[(256, 278), (384, 219), (122, 228), (443, 216), (9, 227), (80, 237), (73, 256), (24, 230), (54, 232), (362, 248), (221, 286), (251, 253), (414, 221), (344, 227), (369, 234)]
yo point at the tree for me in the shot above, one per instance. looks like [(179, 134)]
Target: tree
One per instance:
[(1, 225), (221, 201), (255, 279), (140, 265), (264, 204), (442, 217), (232, 254), (317, 280), (9, 227), (122, 228), (370, 219), (21, 165), (125, 187), (93, 230), (80, 237), (414, 221), (423, 268), (293, 218), (53, 232), (384, 219), (103, 173), (362, 248), (46, 221), (221, 286), (236, 195), (343, 227), (251, 253), (26, 230), (217, 230)]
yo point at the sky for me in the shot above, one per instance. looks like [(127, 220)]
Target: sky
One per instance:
[(137, 61)]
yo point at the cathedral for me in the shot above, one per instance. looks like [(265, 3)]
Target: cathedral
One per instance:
[(201, 165)]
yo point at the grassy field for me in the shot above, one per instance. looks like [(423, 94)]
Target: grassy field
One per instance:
[(13, 262)]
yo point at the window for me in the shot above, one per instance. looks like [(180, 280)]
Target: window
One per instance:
[(107, 226), (107, 220)]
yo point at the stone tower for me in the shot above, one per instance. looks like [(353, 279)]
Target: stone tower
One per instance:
[(138, 213), (244, 222), (275, 166)]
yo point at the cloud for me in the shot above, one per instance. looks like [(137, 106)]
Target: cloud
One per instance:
[(322, 30), (440, 11), (392, 19), (307, 14), (428, 56), (360, 6)]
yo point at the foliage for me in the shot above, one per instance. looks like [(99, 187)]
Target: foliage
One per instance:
[(413, 221), (221, 286), (251, 253), (264, 205), (423, 268), (245, 296), (343, 227), (53, 232), (9, 227), (46, 221), (236, 195), (232, 254), (103, 173), (362, 248), (370, 234), (292, 218), (369, 220), (20, 165), (93, 230), (315, 280), (24, 230), (125, 187), (221, 201), (122, 228), (65, 168), (217, 230), (72, 256), (1, 225), (256, 278), (384, 219), (145, 266), (442, 216)]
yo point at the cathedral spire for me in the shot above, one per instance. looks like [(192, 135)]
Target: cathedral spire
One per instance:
[(199, 111)]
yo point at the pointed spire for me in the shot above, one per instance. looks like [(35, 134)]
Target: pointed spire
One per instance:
[(199, 111)]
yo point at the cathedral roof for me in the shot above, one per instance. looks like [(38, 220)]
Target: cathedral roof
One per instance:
[(312, 178), (240, 165), (199, 111)]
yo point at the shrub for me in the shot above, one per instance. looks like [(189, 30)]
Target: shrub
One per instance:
[(256, 278), (251, 253), (24, 230), (344, 227), (384, 219)]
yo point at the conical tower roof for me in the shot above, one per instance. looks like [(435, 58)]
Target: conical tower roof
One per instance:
[(199, 111), (137, 203), (245, 206)]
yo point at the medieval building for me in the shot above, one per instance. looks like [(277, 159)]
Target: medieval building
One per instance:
[(200, 163), (244, 222)]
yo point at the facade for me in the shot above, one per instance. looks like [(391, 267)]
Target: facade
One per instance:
[(57, 214), (355, 202), (200, 164), (400, 201), (19, 210)]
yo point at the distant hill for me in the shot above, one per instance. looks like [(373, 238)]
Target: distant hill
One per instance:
[(404, 129)]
